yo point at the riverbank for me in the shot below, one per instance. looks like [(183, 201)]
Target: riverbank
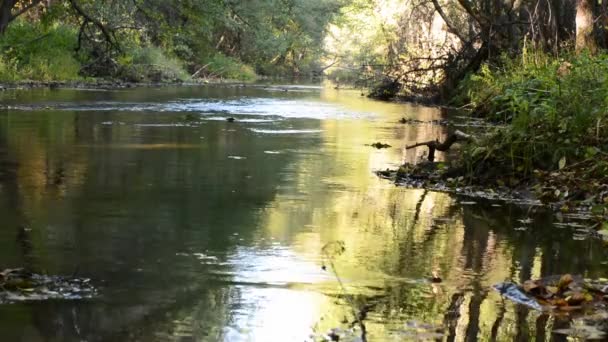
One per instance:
[(551, 138)]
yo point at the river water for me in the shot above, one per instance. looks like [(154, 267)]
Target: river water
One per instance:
[(198, 229)]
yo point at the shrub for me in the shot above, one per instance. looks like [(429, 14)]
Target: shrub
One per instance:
[(150, 63), (231, 68), (556, 110), (36, 52)]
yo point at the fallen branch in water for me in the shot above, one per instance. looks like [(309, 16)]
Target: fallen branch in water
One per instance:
[(444, 146)]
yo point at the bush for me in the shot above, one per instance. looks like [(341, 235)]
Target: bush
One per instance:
[(150, 63), (556, 110), (35, 52), (230, 68)]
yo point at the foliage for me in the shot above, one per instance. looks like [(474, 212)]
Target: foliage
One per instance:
[(555, 109), (35, 52), (228, 67), (150, 63), (166, 40)]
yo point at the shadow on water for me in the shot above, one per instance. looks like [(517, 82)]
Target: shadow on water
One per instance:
[(196, 228)]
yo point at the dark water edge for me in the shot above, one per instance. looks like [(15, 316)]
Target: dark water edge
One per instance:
[(197, 229)]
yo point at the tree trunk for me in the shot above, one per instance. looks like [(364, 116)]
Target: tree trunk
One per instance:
[(6, 7), (585, 35)]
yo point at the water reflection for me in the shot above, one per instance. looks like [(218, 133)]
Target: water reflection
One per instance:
[(207, 230)]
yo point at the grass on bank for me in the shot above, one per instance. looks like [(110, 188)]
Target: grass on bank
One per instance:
[(556, 116)]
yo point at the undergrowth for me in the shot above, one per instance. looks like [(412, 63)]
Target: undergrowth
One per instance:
[(554, 113), (150, 63), (37, 52), (40, 52), (221, 66)]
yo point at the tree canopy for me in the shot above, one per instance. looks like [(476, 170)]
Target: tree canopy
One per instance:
[(424, 44)]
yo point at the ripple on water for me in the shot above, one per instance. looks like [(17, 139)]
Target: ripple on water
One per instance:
[(276, 107)]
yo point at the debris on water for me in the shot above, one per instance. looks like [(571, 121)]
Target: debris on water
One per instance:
[(515, 293), (230, 119), (564, 293), (17, 284), (380, 145), (420, 122)]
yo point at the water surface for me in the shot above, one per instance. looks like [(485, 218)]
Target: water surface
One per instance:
[(198, 229)]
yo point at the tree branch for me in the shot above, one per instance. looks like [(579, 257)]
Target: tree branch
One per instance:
[(447, 21), (107, 35)]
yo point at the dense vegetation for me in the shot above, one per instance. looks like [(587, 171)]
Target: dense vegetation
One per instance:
[(154, 40), (553, 128)]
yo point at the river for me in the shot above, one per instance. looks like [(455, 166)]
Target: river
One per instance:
[(194, 228)]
